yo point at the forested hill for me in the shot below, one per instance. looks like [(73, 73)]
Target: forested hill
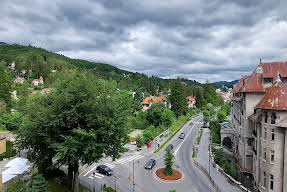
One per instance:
[(41, 62)]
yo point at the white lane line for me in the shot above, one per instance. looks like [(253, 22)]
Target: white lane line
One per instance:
[(120, 160), (96, 175), (109, 165), (89, 171), (183, 140), (129, 159)]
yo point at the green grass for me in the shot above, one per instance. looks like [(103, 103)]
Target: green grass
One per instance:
[(193, 154), (200, 136), (169, 138), (182, 120)]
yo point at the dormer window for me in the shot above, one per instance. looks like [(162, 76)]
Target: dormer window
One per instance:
[(267, 80), (284, 79)]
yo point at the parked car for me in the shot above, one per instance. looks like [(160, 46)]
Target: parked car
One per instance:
[(205, 125), (150, 164), (170, 147), (181, 136), (105, 170)]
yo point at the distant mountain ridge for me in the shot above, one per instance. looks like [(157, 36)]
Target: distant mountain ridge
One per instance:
[(226, 83)]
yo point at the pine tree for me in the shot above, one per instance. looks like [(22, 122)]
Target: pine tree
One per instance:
[(178, 98), (39, 184), (168, 162)]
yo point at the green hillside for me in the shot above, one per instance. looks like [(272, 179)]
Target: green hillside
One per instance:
[(41, 62)]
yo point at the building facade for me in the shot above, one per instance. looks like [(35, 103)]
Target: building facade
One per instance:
[(259, 121)]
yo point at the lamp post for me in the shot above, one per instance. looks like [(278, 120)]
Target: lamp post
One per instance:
[(93, 181), (133, 175)]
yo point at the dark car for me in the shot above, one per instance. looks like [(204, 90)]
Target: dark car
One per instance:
[(170, 147), (205, 125), (105, 170), (150, 164), (181, 136)]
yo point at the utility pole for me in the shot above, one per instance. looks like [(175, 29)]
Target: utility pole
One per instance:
[(133, 175), (94, 182), (115, 182), (209, 159)]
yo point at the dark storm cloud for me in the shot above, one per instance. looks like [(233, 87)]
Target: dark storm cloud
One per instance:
[(200, 39)]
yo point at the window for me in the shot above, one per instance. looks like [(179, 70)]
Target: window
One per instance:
[(266, 117), (264, 179), (264, 153), (265, 133), (273, 118), (272, 134), (271, 182), (272, 156), (267, 80), (249, 142)]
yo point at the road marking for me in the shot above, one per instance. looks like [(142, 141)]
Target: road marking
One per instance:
[(126, 159), (84, 171), (90, 171), (109, 165), (96, 175), (183, 140)]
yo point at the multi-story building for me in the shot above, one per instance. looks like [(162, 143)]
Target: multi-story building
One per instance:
[(259, 118)]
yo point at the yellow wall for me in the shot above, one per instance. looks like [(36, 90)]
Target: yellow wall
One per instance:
[(2, 146)]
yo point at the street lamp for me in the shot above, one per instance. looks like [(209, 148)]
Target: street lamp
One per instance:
[(94, 181)]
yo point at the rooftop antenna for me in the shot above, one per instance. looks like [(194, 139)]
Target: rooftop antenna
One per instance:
[(278, 77)]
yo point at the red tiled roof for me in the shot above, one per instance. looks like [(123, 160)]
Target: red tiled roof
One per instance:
[(191, 98), (264, 70), (275, 97), (239, 84), (148, 100)]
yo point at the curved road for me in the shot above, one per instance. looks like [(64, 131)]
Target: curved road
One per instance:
[(145, 180)]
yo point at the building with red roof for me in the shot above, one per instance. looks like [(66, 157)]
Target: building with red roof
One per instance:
[(148, 101), (191, 101), (259, 121)]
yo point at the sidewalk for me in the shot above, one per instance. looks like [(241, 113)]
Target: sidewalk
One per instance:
[(203, 159)]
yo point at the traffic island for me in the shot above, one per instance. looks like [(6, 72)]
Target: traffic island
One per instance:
[(176, 175)]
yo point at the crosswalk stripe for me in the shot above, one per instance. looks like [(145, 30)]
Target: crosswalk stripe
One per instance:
[(96, 175), (124, 159), (135, 157), (109, 165)]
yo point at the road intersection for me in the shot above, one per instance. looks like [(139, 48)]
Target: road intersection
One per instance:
[(145, 180)]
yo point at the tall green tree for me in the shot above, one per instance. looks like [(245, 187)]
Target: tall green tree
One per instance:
[(199, 97), (168, 160), (5, 85), (83, 120), (154, 113), (178, 98)]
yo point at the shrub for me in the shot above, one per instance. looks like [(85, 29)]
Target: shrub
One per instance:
[(140, 141), (110, 189), (39, 184)]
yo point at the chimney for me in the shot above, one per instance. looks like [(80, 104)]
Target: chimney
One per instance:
[(260, 61)]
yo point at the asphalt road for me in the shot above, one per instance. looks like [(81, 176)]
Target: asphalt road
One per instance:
[(145, 180)]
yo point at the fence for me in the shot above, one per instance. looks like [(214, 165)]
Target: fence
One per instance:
[(217, 189)]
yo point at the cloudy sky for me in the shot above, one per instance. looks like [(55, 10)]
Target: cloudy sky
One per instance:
[(197, 39)]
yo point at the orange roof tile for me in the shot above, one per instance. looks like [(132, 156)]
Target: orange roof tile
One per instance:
[(275, 97), (264, 70), (239, 84), (191, 98)]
